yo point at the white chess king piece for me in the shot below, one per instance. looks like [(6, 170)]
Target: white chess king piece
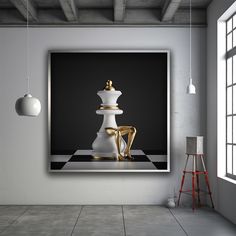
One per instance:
[(105, 145)]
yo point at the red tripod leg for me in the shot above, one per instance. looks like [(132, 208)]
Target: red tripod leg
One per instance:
[(193, 182), (207, 180), (209, 190), (198, 190), (198, 185), (182, 181), (181, 188), (193, 190)]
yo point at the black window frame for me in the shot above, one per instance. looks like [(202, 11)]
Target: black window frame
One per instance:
[(231, 55)]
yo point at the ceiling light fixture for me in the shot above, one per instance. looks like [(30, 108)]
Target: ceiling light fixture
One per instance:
[(190, 88), (27, 105)]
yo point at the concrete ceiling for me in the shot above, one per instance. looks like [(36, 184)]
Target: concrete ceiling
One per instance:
[(102, 12)]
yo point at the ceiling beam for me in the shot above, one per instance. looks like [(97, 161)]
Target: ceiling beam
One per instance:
[(70, 10), (119, 10), (169, 9), (104, 17), (21, 5)]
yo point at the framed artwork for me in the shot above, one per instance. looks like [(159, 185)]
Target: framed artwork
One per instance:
[(142, 77)]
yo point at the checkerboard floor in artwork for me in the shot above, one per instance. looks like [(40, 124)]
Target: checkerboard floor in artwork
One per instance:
[(82, 160)]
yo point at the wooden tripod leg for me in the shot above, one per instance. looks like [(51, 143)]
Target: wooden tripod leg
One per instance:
[(193, 190), (181, 188), (207, 181), (183, 178), (198, 185), (209, 190), (193, 183)]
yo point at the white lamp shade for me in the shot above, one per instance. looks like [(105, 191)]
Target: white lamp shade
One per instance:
[(191, 88), (28, 106)]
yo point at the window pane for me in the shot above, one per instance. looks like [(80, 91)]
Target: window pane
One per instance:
[(234, 133), (229, 100), (234, 69), (234, 160), (229, 41), (234, 38), (234, 99), (229, 25), (229, 159), (234, 21), (229, 129), (229, 71)]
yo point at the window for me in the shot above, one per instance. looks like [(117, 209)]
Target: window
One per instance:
[(226, 95), (231, 97)]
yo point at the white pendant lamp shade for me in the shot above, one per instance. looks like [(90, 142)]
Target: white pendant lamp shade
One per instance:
[(28, 106), (191, 88)]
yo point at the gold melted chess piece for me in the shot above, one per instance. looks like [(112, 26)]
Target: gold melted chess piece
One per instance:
[(118, 133)]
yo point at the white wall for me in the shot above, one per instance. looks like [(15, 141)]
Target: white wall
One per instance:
[(224, 192), (23, 141)]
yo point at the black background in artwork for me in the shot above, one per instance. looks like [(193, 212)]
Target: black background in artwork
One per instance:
[(77, 77)]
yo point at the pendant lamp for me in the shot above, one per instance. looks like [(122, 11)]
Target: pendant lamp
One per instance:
[(27, 105), (190, 88)]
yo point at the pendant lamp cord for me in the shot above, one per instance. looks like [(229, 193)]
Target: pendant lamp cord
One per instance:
[(27, 48), (190, 38)]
